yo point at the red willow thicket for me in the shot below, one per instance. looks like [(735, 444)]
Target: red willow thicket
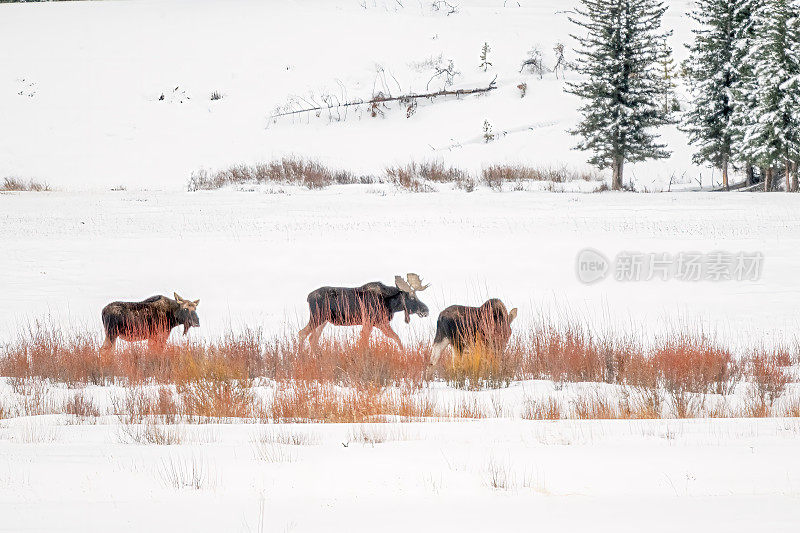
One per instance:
[(681, 363)]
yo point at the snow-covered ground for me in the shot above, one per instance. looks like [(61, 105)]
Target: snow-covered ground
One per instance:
[(81, 82), (252, 258), (698, 475)]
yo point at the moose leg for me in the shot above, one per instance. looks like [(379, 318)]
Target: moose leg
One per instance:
[(438, 347), (387, 330), (304, 333), (366, 331), (157, 343), (313, 339), (108, 345)]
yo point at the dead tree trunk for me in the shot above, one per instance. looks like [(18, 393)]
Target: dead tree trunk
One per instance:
[(377, 100)]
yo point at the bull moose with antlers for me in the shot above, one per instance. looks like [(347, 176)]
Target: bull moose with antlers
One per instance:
[(371, 306)]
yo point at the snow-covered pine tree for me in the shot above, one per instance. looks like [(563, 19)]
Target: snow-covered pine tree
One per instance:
[(712, 73), (771, 129), (743, 101), (668, 72), (619, 58)]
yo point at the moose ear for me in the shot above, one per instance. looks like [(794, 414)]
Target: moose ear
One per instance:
[(177, 298), (512, 315), (196, 303)]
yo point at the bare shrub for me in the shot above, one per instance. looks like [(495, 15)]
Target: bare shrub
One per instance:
[(216, 95), (36, 398), (480, 366), (380, 363), (81, 405), (549, 409), (496, 175), (288, 171), (289, 437), (317, 402), (534, 62), (792, 408), (689, 364), (565, 352), (595, 407), (755, 405), (271, 452), (151, 432), (16, 184), (139, 404), (641, 403), (505, 476), (186, 473), (376, 434), (768, 376)]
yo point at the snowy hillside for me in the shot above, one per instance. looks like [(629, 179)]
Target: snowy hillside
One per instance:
[(82, 84)]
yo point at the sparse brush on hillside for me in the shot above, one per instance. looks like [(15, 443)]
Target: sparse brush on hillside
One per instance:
[(17, 184), (415, 176), (496, 175), (287, 171)]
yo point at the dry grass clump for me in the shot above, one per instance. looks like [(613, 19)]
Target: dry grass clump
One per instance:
[(151, 432), (186, 473), (378, 363), (496, 175), (139, 405), (595, 407), (286, 171), (549, 409), (289, 437), (697, 365), (482, 367), (304, 402), (16, 184), (417, 177), (81, 405)]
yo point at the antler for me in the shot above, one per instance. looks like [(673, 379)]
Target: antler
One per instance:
[(402, 285), (416, 282)]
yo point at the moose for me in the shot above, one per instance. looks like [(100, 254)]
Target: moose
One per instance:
[(151, 320), (371, 306), (465, 327)]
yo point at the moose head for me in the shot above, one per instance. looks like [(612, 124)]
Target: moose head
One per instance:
[(409, 301), (186, 313)]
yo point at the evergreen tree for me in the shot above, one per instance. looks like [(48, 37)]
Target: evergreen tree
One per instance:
[(743, 101), (669, 74), (712, 72), (771, 127), (619, 59)]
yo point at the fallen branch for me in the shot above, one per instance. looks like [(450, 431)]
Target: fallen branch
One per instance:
[(381, 99)]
